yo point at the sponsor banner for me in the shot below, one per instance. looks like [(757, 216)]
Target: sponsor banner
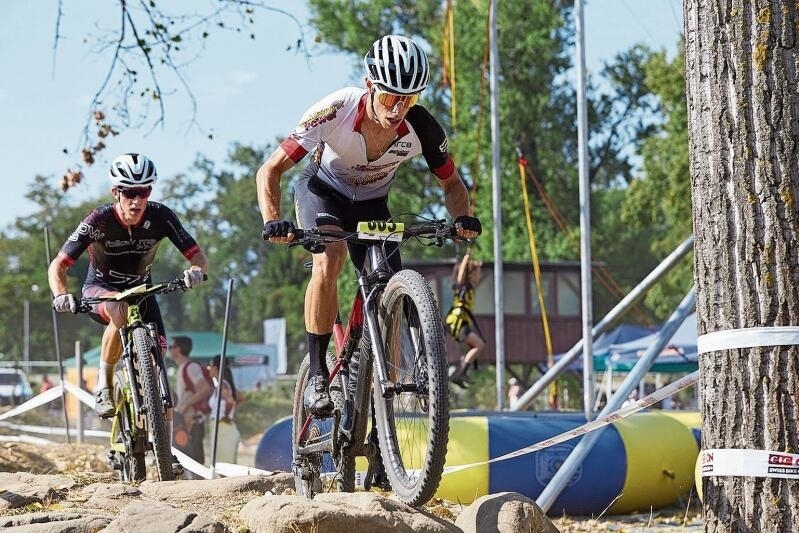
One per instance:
[(749, 463)]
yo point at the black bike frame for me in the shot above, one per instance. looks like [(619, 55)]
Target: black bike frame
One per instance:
[(370, 283)]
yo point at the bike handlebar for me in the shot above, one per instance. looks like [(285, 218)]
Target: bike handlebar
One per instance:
[(436, 230), (137, 293)]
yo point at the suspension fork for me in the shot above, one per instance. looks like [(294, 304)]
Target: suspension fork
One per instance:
[(371, 314), (371, 285), (130, 368)]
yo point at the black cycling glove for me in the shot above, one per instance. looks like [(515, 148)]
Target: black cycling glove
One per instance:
[(469, 223), (277, 228)]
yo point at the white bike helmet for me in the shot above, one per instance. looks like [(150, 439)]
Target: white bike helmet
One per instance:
[(132, 170), (397, 64)]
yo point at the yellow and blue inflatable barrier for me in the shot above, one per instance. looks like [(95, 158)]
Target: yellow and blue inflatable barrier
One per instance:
[(641, 462)]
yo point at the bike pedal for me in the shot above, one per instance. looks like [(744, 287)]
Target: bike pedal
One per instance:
[(113, 461)]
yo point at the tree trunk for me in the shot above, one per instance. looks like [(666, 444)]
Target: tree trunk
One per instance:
[(741, 65)]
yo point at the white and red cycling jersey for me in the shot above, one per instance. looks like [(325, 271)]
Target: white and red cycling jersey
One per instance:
[(332, 126)]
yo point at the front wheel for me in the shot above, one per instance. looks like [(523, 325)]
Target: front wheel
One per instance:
[(153, 403), (413, 421)]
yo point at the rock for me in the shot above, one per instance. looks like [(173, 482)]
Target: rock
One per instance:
[(276, 483), (108, 496), (364, 512), (504, 512), (58, 522), (156, 517), (19, 489)]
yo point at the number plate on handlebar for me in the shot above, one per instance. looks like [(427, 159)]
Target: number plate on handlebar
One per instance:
[(380, 230), (133, 290)]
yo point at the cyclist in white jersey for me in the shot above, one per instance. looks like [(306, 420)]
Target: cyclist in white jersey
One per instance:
[(360, 137)]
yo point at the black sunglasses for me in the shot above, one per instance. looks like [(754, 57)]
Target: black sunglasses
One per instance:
[(138, 192)]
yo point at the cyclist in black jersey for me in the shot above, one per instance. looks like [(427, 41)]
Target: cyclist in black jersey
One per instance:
[(122, 239), (360, 137)]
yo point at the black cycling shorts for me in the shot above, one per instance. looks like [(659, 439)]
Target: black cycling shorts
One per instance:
[(316, 204), (150, 312)]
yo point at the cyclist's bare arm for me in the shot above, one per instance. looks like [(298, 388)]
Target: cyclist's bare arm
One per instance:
[(200, 260), (456, 196), (268, 186), (57, 275)]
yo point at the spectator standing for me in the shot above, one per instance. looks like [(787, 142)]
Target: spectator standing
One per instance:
[(228, 435), (514, 391), (192, 390)]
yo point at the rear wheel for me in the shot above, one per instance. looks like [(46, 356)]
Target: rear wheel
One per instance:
[(153, 403), (413, 422)]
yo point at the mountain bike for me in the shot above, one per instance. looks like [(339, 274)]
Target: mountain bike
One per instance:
[(141, 390), (392, 350)]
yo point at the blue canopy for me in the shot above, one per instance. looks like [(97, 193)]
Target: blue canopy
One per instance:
[(621, 347)]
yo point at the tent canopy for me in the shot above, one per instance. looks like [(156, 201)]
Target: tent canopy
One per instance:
[(620, 349), (678, 355)]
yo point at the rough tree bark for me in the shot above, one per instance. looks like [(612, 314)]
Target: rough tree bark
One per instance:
[(741, 63)]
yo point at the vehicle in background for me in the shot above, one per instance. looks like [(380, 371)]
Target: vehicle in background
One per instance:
[(14, 386)]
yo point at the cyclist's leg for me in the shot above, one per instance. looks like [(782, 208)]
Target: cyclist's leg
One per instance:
[(113, 316), (318, 206)]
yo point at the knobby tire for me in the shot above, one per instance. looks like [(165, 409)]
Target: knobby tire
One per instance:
[(145, 349), (413, 427)]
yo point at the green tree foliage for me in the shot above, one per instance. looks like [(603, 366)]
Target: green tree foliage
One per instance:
[(537, 116), (659, 202)]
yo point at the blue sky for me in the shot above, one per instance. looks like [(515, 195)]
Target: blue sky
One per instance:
[(247, 91)]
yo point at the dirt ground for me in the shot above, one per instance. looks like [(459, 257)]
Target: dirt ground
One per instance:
[(91, 459)]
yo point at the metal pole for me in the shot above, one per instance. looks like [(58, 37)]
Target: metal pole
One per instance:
[(585, 218), (613, 315), (499, 299), (221, 377), (57, 343), (26, 336), (575, 458), (79, 369)]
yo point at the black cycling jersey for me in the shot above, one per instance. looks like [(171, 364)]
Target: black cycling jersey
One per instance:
[(120, 255)]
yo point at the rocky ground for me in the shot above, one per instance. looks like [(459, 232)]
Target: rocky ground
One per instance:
[(62, 487)]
